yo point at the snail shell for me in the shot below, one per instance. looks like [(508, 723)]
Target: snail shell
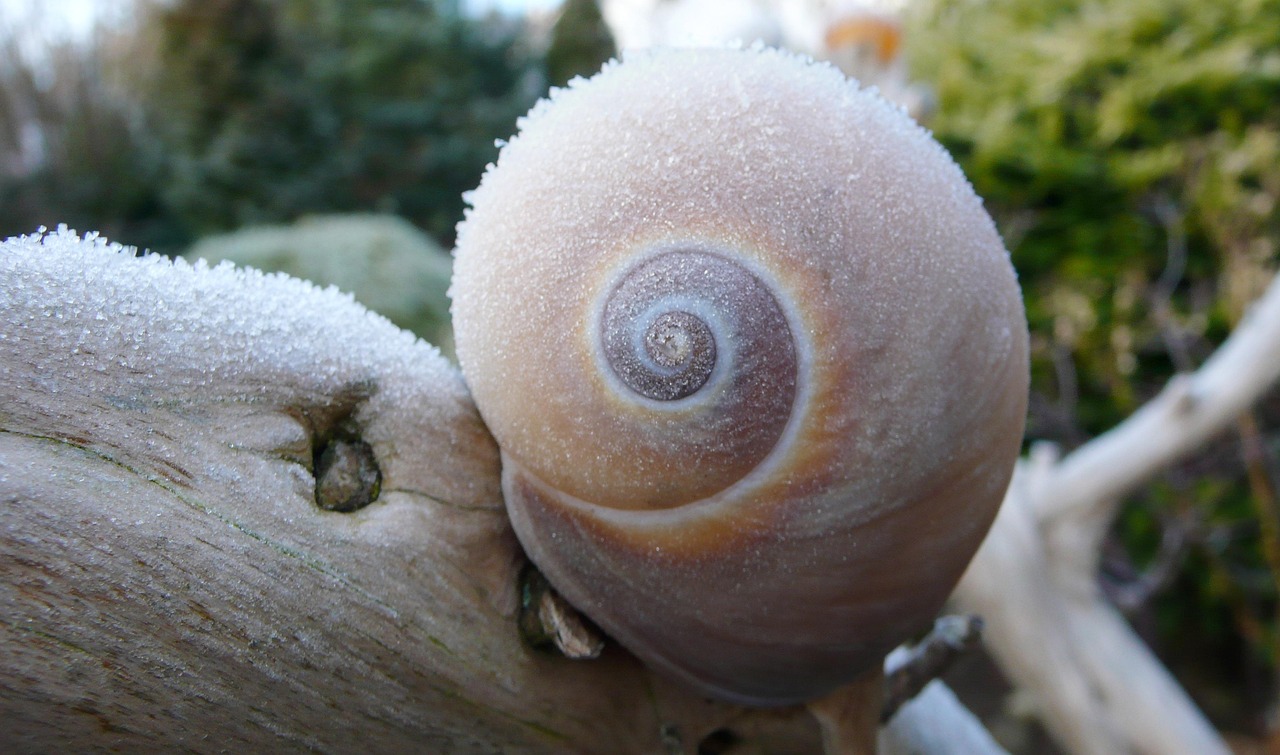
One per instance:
[(755, 358)]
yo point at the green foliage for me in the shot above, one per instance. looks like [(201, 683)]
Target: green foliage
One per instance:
[(1130, 152), (208, 115), (580, 42), (383, 261), (276, 109), (1101, 133)]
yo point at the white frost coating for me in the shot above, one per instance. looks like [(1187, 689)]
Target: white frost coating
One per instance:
[(648, 152), (382, 260), (161, 332)]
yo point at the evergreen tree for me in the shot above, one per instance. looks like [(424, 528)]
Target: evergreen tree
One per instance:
[(275, 109), (580, 42)]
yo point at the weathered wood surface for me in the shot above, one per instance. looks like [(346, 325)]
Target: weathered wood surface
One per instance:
[(168, 576), (168, 580)]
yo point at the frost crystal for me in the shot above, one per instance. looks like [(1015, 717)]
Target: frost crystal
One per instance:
[(154, 330)]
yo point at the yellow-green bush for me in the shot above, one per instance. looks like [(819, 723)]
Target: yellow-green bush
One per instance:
[(384, 262), (1130, 151)]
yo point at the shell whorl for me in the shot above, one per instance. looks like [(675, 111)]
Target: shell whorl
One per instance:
[(690, 327), (654, 335), (755, 358)]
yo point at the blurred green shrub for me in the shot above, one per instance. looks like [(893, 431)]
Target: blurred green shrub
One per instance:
[(276, 108), (580, 42), (1108, 137), (384, 262), (204, 116), (1130, 153)]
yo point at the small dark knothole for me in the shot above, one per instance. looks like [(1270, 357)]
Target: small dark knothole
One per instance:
[(347, 473), (718, 742)]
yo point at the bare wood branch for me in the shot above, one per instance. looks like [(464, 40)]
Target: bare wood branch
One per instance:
[(169, 580), (1190, 411), (934, 721), (1035, 580)]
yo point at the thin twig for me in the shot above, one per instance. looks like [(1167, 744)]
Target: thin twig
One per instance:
[(1132, 594), (548, 622), (908, 670), (1263, 496), (1169, 216)]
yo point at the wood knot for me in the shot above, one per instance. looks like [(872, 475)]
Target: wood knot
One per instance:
[(347, 475)]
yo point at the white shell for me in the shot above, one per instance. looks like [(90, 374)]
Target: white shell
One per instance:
[(775, 573)]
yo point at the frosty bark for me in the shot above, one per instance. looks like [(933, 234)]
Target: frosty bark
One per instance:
[(1034, 581), (167, 580)]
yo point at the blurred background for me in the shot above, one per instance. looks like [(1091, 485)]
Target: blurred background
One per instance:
[(1128, 149)]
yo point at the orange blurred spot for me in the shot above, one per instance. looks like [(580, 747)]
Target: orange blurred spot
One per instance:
[(883, 34)]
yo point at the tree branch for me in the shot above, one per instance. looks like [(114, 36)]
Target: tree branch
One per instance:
[(1192, 409), (1035, 579)]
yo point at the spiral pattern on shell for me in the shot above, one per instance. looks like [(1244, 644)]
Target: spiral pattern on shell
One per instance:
[(701, 336), (755, 359)]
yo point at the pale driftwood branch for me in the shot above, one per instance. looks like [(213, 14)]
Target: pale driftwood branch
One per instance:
[(936, 722), (1190, 411), (169, 581), (1035, 580)]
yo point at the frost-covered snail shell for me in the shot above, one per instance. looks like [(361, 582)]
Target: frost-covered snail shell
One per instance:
[(755, 358)]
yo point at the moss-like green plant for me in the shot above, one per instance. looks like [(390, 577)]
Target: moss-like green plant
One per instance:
[(384, 262)]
